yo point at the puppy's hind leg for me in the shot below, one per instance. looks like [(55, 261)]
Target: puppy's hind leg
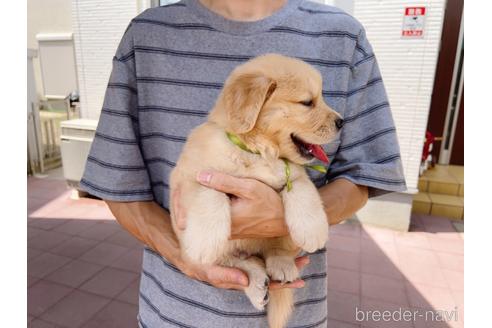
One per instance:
[(208, 224), (281, 266), (257, 290)]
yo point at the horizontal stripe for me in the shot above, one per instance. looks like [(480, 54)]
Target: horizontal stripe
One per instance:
[(387, 159), (119, 113), (367, 139), (336, 34), (377, 179), (310, 301), (196, 84), (116, 139), (116, 192), (173, 110), (162, 316), (365, 112), (200, 305), (312, 325), (360, 49), (326, 63), (177, 26), (369, 83), (161, 135), (312, 11), (350, 93), (363, 60), (115, 166), (122, 86), (154, 160), (160, 184), (314, 276), (126, 57), (191, 54)]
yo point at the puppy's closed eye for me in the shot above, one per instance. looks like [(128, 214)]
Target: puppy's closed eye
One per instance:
[(308, 103)]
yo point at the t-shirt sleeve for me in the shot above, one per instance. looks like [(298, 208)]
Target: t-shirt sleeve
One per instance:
[(368, 153), (115, 168)]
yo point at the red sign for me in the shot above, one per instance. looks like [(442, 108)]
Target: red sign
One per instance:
[(413, 22)]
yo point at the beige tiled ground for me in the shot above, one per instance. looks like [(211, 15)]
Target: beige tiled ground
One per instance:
[(83, 268)]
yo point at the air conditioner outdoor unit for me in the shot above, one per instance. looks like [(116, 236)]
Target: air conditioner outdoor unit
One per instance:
[(76, 141)]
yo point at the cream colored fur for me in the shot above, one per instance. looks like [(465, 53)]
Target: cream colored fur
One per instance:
[(261, 104)]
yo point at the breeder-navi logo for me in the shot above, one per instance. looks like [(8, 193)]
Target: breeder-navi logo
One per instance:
[(406, 315)]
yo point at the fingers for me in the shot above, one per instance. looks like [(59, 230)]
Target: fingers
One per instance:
[(229, 278), (180, 216), (227, 183), (302, 261)]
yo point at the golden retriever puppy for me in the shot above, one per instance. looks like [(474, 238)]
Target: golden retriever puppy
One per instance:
[(269, 120)]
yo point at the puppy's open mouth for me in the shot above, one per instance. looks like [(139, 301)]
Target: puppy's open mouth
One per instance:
[(308, 150)]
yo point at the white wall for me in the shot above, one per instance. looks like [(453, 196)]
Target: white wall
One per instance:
[(408, 68), (98, 26), (46, 16)]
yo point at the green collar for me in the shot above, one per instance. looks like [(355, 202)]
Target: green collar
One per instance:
[(238, 142)]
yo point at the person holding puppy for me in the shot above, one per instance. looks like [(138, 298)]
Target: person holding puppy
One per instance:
[(167, 73)]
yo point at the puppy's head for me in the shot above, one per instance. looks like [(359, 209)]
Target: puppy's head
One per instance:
[(274, 103)]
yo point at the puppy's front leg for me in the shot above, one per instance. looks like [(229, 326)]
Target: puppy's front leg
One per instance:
[(208, 224), (305, 215)]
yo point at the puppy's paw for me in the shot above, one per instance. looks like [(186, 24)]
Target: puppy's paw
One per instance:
[(257, 291), (282, 268), (310, 232)]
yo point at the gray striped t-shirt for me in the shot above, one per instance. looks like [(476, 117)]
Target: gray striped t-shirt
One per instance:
[(168, 71)]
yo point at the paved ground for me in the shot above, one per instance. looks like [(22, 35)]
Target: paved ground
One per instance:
[(83, 269)]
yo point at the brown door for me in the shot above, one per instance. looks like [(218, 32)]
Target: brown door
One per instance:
[(445, 71)]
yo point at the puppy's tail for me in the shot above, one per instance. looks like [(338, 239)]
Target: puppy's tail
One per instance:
[(280, 307)]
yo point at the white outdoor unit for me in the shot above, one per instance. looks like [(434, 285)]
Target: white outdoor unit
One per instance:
[(76, 140)]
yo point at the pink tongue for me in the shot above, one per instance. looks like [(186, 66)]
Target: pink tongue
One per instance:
[(317, 152)]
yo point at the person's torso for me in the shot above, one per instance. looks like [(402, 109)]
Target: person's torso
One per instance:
[(182, 58)]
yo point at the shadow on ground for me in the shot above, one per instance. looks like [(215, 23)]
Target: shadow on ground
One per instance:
[(83, 268)]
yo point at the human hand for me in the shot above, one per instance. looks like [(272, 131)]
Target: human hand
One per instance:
[(257, 210), (232, 278)]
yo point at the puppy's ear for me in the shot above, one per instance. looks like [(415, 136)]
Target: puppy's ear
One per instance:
[(242, 98)]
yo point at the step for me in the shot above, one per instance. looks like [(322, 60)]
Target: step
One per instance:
[(449, 206), (443, 179)]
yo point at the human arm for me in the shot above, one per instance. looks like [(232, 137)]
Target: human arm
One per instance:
[(151, 224), (257, 209)]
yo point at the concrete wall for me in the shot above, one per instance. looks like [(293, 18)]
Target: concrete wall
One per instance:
[(46, 16)]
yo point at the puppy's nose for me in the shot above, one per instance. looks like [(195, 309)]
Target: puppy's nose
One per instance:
[(339, 123)]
